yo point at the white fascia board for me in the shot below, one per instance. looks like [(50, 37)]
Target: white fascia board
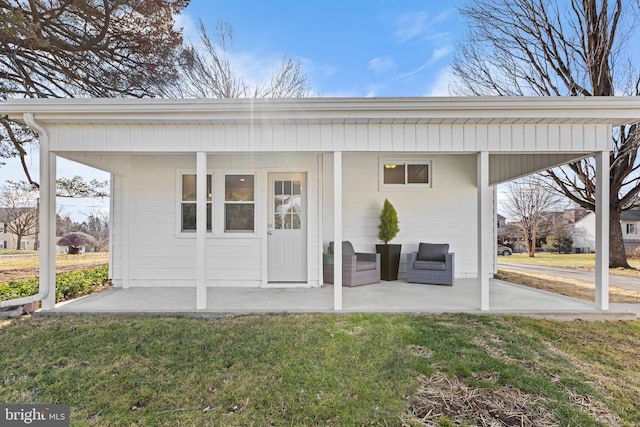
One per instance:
[(496, 110)]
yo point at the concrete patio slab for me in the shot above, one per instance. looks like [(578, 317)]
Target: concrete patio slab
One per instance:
[(389, 297)]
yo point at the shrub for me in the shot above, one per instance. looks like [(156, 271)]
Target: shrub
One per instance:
[(68, 285), (388, 227)]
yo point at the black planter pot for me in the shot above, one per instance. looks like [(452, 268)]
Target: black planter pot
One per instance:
[(389, 261)]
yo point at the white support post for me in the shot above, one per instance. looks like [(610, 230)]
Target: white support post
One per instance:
[(485, 227), (201, 229), (602, 230), (125, 234), (337, 231), (47, 223)]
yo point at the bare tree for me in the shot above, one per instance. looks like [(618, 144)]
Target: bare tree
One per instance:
[(558, 236), (208, 72), (97, 226), (78, 187), (527, 204), (19, 211), (550, 48), (63, 223), (77, 48)]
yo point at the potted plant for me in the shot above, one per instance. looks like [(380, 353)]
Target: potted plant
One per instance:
[(389, 253)]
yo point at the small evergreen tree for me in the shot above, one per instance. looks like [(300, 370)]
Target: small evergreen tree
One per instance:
[(388, 227)]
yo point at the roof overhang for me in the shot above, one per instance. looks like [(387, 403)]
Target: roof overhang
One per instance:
[(424, 110)]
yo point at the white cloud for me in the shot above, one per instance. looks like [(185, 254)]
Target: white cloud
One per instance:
[(410, 26), (440, 53), (381, 65), (189, 27), (374, 89), (252, 68), (440, 86)]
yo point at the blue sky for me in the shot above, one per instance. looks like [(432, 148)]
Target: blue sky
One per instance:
[(348, 48)]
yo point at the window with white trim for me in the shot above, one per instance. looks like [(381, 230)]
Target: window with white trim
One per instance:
[(405, 174), (239, 203), (632, 229), (188, 207)]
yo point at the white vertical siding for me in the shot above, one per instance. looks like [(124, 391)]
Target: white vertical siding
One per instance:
[(339, 137)]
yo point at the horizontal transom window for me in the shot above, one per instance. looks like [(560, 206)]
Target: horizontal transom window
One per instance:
[(405, 174)]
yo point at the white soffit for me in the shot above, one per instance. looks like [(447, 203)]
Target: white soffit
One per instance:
[(507, 167)]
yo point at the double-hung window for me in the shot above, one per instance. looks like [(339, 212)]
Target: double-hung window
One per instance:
[(239, 203), (405, 174), (188, 203)]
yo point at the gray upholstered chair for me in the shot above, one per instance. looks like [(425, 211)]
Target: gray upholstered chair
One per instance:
[(357, 268), (432, 264)]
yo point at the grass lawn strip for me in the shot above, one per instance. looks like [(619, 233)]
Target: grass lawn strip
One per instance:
[(357, 369), (575, 261), (606, 352), (26, 266), (564, 286)]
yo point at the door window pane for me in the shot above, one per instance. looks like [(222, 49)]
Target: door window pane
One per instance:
[(287, 205)]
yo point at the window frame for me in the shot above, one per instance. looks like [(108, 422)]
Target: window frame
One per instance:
[(180, 202), (383, 162)]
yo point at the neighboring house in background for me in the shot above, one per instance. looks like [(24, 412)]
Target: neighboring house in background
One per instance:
[(249, 192), (566, 219), (501, 228), (9, 240), (573, 215), (583, 233), (630, 223), (65, 249)]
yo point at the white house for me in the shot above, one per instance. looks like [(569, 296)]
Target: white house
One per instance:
[(249, 192), (630, 224), (9, 240), (584, 232)]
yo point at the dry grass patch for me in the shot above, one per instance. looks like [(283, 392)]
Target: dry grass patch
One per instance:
[(20, 267), (574, 261), (568, 287), (443, 401), (606, 352)]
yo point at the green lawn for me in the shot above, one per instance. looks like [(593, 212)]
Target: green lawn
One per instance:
[(319, 370), (579, 261)]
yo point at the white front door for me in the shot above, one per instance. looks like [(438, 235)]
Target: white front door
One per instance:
[(287, 227)]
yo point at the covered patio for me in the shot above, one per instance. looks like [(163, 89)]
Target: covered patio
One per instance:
[(199, 224), (384, 297)]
